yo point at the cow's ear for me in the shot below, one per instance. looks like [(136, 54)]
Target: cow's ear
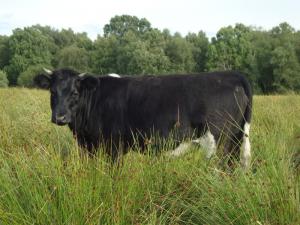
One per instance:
[(42, 81), (88, 82)]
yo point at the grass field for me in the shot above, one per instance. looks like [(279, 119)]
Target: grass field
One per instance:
[(45, 180)]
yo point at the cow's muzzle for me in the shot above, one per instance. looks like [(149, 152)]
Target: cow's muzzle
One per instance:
[(60, 120)]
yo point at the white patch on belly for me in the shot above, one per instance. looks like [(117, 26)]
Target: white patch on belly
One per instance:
[(181, 149), (246, 147), (114, 75), (207, 142)]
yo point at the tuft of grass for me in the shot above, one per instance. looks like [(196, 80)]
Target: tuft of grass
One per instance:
[(45, 179)]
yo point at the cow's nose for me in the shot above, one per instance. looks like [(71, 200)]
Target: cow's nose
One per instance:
[(61, 119)]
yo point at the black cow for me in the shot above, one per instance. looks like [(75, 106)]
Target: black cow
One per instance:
[(119, 112)]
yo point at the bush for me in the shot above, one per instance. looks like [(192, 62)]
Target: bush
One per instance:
[(3, 79), (26, 78)]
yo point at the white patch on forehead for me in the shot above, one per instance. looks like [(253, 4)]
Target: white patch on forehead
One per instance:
[(114, 75), (246, 147)]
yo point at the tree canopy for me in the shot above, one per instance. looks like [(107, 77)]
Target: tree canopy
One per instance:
[(130, 45)]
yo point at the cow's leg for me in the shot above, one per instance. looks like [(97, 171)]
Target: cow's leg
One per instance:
[(208, 143), (116, 148), (246, 147), (232, 149), (86, 145), (238, 147)]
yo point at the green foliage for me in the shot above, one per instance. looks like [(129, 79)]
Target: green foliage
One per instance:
[(27, 47), (4, 51), (132, 54), (200, 45), (137, 56), (105, 54), (262, 45), (297, 44), (146, 60), (286, 69), (26, 78), (3, 79), (232, 49), (180, 54), (269, 58), (119, 25), (45, 180), (277, 59), (73, 57)]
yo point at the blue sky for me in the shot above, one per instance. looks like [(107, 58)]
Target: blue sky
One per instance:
[(182, 16)]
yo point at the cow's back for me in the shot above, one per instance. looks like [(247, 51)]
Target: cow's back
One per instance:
[(186, 102)]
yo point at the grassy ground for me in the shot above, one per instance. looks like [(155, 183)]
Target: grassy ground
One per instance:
[(44, 179)]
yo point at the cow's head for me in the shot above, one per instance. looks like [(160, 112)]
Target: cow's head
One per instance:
[(65, 87)]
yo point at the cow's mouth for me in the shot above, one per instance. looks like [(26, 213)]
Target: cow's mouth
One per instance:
[(61, 121)]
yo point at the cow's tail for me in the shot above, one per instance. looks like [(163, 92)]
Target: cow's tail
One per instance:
[(245, 147)]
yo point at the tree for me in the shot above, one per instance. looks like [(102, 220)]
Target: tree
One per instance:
[(263, 47), (180, 54), (232, 49), (4, 51), (104, 55), (142, 55), (283, 31), (3, 79), (131, 54), (200, 45), (229, 49), (52, 35), (119, 25), (269, 58), (297, 44), (73, 57), (26, 77), (278, 64), (144, 58), (27, 47), (286, 69)]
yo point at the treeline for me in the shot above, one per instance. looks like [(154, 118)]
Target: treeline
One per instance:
[(129, 45)]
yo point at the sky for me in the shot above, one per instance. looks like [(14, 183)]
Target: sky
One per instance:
[(176, 15)]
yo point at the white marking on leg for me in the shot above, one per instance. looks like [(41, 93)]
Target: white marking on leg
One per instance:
[(181, 149), (114, 75), (246, 147), (208, 143)]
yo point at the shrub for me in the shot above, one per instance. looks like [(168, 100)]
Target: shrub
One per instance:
[(3, 79), (26, 78)]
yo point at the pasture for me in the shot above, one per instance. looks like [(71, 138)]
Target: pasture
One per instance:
[(45, 180)]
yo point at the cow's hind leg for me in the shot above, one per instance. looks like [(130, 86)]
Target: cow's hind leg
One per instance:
[(238, 147), (232, 148), (246, 147)]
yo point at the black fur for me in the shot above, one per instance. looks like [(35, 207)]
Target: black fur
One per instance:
[(115, 111)]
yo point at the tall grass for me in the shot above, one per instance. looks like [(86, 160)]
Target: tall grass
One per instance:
[(44, 178)]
